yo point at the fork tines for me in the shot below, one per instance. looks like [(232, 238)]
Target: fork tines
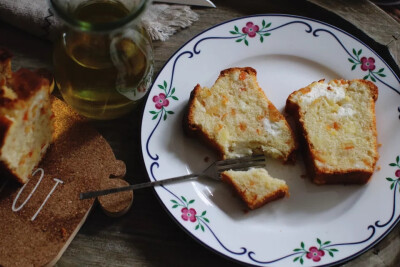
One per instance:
[(241, 163)]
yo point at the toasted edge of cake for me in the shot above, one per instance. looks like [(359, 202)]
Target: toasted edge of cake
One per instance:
[(213, 111), (337, 128), (255, 186)]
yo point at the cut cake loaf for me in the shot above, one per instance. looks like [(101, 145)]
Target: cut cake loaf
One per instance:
[(255, 186), (336, 121), (25, 119), (236, 118)]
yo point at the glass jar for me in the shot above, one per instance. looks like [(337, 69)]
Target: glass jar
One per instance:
[(103, 58)]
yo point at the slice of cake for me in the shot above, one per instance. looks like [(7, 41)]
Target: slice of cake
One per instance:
[(336, 121), (236, 118), (25, 119), (255, 186)]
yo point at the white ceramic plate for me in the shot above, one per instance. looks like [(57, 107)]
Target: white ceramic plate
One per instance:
[(317, 225)]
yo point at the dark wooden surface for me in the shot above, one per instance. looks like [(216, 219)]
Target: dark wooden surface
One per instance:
[(146, 235)]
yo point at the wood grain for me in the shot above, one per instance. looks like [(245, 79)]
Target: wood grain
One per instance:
[(146, 235)]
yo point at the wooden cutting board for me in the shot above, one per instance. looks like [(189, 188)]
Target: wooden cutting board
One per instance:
[(40, 219)]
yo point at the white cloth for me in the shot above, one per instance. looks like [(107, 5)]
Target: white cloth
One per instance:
[(34, 16)]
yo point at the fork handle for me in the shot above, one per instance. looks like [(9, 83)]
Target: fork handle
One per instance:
[(92, 194)]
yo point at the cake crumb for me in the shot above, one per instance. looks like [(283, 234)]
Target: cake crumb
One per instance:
[(63, 233), (379, 145), (378, 168)]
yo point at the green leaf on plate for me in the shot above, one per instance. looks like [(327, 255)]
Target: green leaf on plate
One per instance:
[(269, 24), (263, 23), (202, 227), (205, 219), (165, 84), (352, 61), (354, 66), (246, 42), (155, 117), (296, 259), (392, 164), (175, 206), (203, 213), (373, 79), (184, 199), (330, 253), (153, 112), (170, 112), (389, 179), (261, 39), (233, 32), (160, 86), (236, 28), (239, 40), (174, 97), (302, 245)]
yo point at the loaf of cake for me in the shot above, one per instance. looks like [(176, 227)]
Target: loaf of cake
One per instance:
[(236, 118), (255, 186), (337, 127), (25, 119)]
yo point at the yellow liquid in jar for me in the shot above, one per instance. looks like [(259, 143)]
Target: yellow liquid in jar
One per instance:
[(85, 72)]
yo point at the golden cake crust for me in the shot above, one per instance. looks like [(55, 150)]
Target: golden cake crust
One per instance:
[(25, 83), (192, 128), (321, 175), (254, 201)]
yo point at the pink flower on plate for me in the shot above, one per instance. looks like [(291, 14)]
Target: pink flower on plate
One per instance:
[(160, 101), (367, 63), (189, 214), (397, 173), (315, 254), (250, 29)]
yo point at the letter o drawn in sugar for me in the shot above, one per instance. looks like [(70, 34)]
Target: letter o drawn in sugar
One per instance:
[(30, 194)]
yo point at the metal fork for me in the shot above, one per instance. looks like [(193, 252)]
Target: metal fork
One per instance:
[(213, 171)]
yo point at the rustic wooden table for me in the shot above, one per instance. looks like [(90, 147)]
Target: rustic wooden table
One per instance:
[(146, 235)]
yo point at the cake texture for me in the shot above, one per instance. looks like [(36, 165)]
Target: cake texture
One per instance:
[(236, 118), (25, 118), (255, 186), (337, 126)]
